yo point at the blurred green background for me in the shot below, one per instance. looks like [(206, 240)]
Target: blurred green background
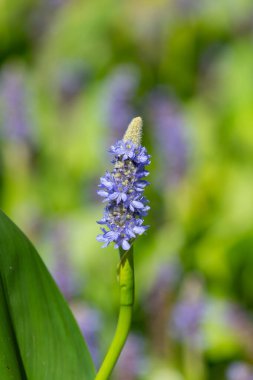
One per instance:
[(72, 75)]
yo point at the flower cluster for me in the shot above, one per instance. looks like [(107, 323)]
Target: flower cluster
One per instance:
[(123, 189)]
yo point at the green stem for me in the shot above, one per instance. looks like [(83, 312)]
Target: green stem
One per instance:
[(126, 282), (193, 362)]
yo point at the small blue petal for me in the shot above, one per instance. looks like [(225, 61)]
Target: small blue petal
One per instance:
[(100, 238), (113, 196), (124, 197), (137, 204), (102, 193), (139, 230), (125, 245), (106, 183)]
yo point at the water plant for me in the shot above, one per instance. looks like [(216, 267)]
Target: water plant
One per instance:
[(39, 337), (123, 189)]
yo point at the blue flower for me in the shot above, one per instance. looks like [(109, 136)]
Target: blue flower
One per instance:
[(123, 149), (123, 189), (240, 371)]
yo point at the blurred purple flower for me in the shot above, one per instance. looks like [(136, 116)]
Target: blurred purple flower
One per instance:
[(89, 321), (62, 270), (131, 361), (168, 275), (14, 103), (240, 371), (159, 303), (42, 15), (71, 78), (120, 91), (188, 7), (56, 3), (165, 281), (188, 313), (169, 129), (187, 316), (241, 323), (63, 275)]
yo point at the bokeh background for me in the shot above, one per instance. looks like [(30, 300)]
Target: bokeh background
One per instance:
[(72, 75)]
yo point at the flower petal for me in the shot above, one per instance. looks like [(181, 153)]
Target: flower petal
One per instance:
[(139, 230), (137, 204), (102, 193), (125, 245)]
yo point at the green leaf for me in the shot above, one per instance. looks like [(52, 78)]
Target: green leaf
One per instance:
[(39, 338)]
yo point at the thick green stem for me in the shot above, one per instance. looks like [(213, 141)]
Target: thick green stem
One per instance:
[(126, 282), (193, 362)]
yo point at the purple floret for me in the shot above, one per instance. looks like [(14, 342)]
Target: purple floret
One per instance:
[(123, 189)]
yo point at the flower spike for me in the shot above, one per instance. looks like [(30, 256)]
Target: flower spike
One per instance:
[(134, 131), (122, 190)]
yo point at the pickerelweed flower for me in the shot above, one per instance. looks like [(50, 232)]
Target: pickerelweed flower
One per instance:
[(123, 189)]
